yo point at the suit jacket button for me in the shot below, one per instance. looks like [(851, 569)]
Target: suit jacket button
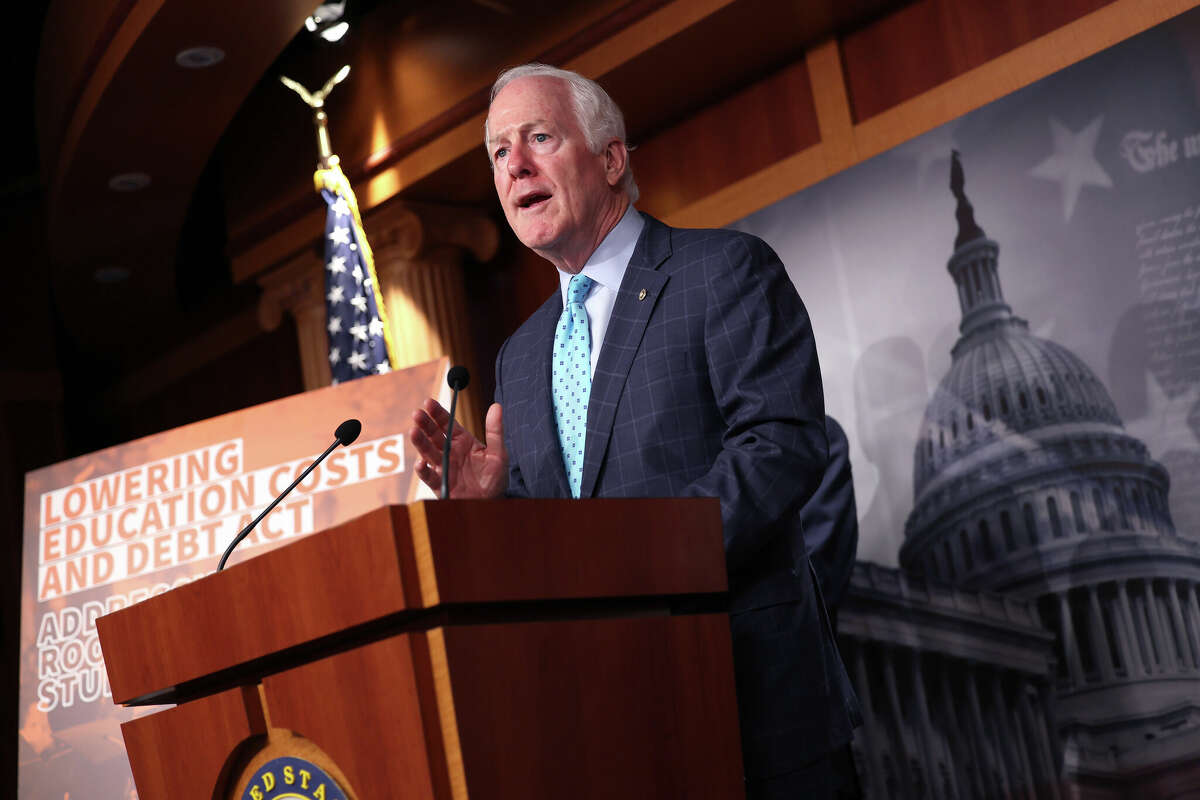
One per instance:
[(642, 294)]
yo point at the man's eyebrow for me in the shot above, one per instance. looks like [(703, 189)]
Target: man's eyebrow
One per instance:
[(500, 136)]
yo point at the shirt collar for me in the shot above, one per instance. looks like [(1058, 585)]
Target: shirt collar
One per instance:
[(607, 264)]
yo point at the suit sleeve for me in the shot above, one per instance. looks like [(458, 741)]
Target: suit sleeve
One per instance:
[(766, 382), (516, 484), (830, 520)]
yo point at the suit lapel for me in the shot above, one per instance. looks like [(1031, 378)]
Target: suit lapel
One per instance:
[(636, 299), (550, 472)]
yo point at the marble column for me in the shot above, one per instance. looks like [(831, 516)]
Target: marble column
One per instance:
[(1010, 745), (419, 252), (870, 731), (1186, 657), (926, 733), (1070, 642), (1167, 657), (297, 287), (900, 746), (1049, 724), (1041, 751), (969, 781), (1192, 612), (1101, 648), (995, 762), (1137, 664), (1154, 655)]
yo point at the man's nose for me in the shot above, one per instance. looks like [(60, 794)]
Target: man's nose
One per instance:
[(518, 162)]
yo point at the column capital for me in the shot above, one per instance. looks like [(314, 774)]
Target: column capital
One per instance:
[(297, 286), (410, 231)]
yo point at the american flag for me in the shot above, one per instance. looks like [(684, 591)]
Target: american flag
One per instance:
[(356, 319)]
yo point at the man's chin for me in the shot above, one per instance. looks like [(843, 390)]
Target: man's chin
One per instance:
[(538, 238)]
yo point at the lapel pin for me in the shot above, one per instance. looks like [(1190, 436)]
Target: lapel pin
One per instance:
[(642, 294)]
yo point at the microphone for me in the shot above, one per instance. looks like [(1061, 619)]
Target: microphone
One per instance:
[(345, 434), (457, 378)]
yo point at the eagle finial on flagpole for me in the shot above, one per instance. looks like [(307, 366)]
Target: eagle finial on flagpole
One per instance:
[(316, 101)]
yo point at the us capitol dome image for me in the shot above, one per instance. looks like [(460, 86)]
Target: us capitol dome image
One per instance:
[(1042, 635)]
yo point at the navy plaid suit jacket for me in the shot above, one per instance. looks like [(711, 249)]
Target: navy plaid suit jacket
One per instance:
[(708, 385)]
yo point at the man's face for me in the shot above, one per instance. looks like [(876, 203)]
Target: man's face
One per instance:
[(556, 194)]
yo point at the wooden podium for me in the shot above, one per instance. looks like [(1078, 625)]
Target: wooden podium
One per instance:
[(456, 649)]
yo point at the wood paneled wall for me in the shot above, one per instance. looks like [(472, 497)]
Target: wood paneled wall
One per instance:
[(907, 73)]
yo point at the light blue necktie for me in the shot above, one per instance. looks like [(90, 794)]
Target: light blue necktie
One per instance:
[(571, 378)]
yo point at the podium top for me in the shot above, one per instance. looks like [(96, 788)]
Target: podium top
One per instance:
[(412, 567)]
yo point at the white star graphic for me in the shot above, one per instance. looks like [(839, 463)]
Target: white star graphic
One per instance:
[(383, 368), (359, 302), (1165, 425), (357, 273), (335, 324), (358, 361), (376, 326), (340, 207), (335, 355), (336, 295), (1074, 163), (359, 332), (929, 148), (340, 235), (337, 264)]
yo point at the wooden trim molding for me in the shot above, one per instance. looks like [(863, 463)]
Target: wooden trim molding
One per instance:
[(845, 145)]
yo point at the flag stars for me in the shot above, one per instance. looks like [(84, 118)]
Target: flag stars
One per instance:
[(356, 342)]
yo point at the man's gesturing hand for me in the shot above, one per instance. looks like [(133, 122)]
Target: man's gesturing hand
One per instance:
[(477, 470)]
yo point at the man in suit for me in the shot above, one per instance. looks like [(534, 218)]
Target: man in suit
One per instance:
[(671, 363)]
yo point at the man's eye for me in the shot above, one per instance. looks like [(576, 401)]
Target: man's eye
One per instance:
[(541, 137), (501, 153)]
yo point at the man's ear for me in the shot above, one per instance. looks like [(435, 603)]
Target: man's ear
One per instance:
[(616, 160)]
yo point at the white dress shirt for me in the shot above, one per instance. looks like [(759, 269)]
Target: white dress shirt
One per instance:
[(607, 268)]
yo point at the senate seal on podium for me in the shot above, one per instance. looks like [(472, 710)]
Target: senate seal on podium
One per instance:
[(292, 778)]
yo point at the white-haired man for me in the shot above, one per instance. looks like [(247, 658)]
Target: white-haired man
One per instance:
[(671, 363)]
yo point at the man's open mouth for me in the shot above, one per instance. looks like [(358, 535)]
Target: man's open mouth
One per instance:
[(533, 199)]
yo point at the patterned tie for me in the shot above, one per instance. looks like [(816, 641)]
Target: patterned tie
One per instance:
[(571, 376)]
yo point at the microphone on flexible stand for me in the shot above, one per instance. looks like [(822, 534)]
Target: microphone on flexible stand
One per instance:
[(457, 378), (345, 434)]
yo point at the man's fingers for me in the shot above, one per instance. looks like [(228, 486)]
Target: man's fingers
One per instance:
[(429, 475), (493, 428), (438, 414), (429, 427), (426, 447)]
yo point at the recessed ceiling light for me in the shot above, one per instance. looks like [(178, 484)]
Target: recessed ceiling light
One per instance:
[(199, 57), (111, 275), (129, 182)]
